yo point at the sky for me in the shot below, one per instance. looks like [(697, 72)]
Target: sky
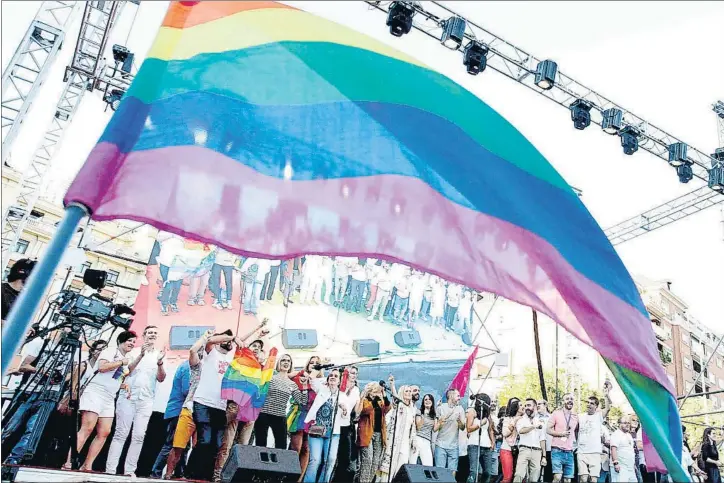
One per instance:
[(661, 61)]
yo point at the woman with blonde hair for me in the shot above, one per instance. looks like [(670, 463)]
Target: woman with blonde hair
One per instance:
[(274, 412), (400, 426), (372, 408)]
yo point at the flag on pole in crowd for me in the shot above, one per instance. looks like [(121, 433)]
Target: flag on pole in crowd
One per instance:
[(270, 131), (462, 379), (246, 382)]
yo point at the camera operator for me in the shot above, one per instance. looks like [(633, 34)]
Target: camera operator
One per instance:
[(39, 382), (17, 276)]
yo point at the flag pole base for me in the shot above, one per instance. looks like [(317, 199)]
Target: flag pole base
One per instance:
[(20, 317)]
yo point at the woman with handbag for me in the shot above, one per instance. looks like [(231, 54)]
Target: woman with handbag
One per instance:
[(325, 417)]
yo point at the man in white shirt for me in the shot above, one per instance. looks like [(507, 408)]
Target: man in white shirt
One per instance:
[(355, 302), (402, 299), (623, 458), (544, 415), (223, 263), (254, 271), (590, 438), (311, 278), (531, 444), (172, 268), (135, 404), (451, 304), (382, 295)]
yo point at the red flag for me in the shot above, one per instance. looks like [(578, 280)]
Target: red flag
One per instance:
[(345, 380), (461, 380)]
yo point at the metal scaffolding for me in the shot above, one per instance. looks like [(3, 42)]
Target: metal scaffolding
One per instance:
[(86, 73), (30, 65)]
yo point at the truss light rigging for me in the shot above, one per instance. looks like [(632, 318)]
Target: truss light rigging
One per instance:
[(120, 53), (399, 18), (677, 155), (475, 57), (545, 74), (684, 172), (581, 114), (629, 139), (612, 120), (716, 178), (453, 32)]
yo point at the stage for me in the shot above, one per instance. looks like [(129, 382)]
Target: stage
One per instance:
[(34, 474)]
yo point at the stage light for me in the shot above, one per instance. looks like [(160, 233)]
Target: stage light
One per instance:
[(545, 74), (399, 18), (685, 173), (581, 114), (113, 98), (677, 155), (120, 53), (475, 57), (629, 139), (95, 279), (453, 32), (612, 120), (716, 176)]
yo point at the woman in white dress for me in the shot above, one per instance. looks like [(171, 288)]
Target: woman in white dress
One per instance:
[(405, 438), (437, 304)]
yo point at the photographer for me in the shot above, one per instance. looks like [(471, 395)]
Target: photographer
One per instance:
[(17, 276)]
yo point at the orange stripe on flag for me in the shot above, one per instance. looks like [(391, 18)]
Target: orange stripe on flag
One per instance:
[(185, 14)]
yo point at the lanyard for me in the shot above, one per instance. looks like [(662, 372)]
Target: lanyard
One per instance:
[(568, 420)]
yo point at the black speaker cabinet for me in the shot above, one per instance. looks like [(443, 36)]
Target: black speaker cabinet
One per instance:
[(423, 474), (408, 338), (262, 465)]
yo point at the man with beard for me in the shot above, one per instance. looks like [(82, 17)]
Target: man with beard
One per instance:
[(562, 426), (531, 445), (590, 436), (415, 397), (544, 416)]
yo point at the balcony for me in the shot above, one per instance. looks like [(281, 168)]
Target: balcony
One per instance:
[(662, 333)]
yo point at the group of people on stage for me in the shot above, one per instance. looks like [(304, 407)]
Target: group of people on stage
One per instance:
[(341, 431), (378, 290)]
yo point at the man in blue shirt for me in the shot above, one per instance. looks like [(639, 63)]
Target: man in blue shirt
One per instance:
[(179, 391)]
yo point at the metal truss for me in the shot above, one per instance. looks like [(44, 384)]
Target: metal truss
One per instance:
[(520, 66), (81, 76), (30, 65), (718, 108), (665, 214)]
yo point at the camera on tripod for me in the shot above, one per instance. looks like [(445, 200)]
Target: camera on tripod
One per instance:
[(95, 311)]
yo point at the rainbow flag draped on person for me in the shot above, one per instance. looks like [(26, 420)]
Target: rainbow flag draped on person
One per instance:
[(246, 382), (270, 131)]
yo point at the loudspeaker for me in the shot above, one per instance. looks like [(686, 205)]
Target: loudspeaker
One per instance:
[(366, 347), (423, 474), (256, 464), (299, 338), (408, 338), (182, 337)]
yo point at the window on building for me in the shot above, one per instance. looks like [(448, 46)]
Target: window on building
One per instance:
[(685, 339), (112, 277), (22, 246), (719, 362), (687, 362)]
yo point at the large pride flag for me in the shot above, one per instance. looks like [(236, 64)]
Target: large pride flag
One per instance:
[(246, 382), (272, 132)]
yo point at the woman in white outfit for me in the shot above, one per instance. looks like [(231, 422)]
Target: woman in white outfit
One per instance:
[(424, 424), (405, 437), (98, 402), (437, 304)]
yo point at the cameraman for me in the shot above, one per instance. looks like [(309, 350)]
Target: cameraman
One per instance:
[(17, 276)]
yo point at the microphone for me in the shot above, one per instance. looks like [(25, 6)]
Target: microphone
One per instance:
[(319, 367), (383, 384)]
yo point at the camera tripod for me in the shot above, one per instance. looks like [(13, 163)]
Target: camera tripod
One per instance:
[(38, 396)]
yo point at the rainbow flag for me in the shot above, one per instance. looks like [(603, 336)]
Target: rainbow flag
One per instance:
[(246, 382), (272, 132)]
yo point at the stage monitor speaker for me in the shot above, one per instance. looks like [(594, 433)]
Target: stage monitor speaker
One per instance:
[(366, 347), (182, 337), (299, 338), (408, 338), (423, 474), (258, 464)]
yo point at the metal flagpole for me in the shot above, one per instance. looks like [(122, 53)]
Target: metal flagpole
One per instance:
[(21, 315)]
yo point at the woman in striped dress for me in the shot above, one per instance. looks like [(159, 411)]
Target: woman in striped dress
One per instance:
[(302, 399), (274, 412)]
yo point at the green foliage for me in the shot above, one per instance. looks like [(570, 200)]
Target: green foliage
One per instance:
[(528, 385), (695, 426)]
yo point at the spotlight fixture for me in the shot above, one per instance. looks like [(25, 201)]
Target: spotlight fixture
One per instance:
[(685, 173), (399, 18), (453, 32), (629, 139), (612, 120), (113, 98), (581, 114), (677, 155), (545, 74), (716, 173), (120, 53), (475, 57)]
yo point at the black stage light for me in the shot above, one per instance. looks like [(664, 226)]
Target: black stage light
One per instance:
[(612, 120), (545, 74), (399, 18), (120, 53), (629, 139), (581, 114), (475, 57), (453, 32), (685, 173), (95, 279), (113, 98), (677, 154), (716, 175)]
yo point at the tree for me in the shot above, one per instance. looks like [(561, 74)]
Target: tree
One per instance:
[(695, 426), (528, 385)]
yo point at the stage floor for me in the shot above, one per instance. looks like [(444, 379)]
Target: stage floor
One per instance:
[(31, 474)]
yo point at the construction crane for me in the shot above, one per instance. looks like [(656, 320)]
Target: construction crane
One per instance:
[(30, 65), (484, 49), (87, 72)]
